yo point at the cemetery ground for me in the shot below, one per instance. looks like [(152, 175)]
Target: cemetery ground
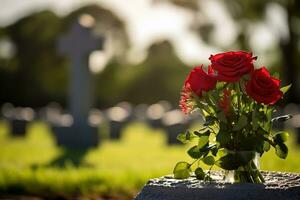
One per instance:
[(35, 167)]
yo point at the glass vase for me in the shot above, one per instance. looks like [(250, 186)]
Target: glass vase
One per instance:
[(248, 173)]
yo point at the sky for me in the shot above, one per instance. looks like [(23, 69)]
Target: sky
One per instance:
[(148, 22)]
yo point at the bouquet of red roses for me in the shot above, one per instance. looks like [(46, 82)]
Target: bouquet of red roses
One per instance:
[(237, 102)]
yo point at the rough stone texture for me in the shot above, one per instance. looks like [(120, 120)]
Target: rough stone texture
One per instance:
[(279, 185)]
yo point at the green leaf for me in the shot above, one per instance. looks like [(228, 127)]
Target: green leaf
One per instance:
[(189, 136), (214, 150), (285, 88), (269, 114), (185, 137), (267, 146), (235, 160), (203, 139), (281, 150), (200, 174), (241, 123), (262, 131), (195, 152), (209, 120), (281, 137), (209, 160), (181, 137), (221, 116), (222, 152), (201, 131), (223, 137), (258, 143), (220, 85), (268, 118), (182, 170), (208, 148), (228, 162)]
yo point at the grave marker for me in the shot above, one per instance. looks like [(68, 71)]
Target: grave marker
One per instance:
[(175, 123), (155, 112), (118, 117), (294, 123), (78, 43), (18, 118)]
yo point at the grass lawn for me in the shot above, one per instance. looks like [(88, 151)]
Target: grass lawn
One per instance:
[(34, 165)]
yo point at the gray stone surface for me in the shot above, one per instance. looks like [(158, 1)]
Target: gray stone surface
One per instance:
[(279, 185)]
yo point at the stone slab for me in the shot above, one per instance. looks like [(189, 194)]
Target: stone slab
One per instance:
[(18, 127), (278, 185), (76, 137)]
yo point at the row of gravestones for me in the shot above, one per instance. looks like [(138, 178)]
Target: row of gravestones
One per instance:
[(159, 115)]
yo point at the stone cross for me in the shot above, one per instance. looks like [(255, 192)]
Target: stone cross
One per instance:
[(77, 44)]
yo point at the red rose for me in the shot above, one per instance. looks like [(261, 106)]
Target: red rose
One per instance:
[(263, 88), (230, 66), (196, 82)]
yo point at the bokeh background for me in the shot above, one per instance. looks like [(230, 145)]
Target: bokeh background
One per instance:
[(148, 48)]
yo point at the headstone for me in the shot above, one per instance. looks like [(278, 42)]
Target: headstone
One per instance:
[(18, 118), (51, 113), (155, 112), (294, 123), (78, 44), (292, 109), (118, 118), (18, 127), (19, 123), (140, 112), (278, 126), (175, 122)]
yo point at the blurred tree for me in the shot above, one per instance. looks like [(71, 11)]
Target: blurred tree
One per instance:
[(35, 74), (109, 87), (160, 76), (251, 11)]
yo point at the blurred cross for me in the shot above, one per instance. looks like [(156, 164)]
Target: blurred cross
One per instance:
[(78, 43)]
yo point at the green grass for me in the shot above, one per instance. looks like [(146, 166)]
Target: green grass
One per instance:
[(34, 165)]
